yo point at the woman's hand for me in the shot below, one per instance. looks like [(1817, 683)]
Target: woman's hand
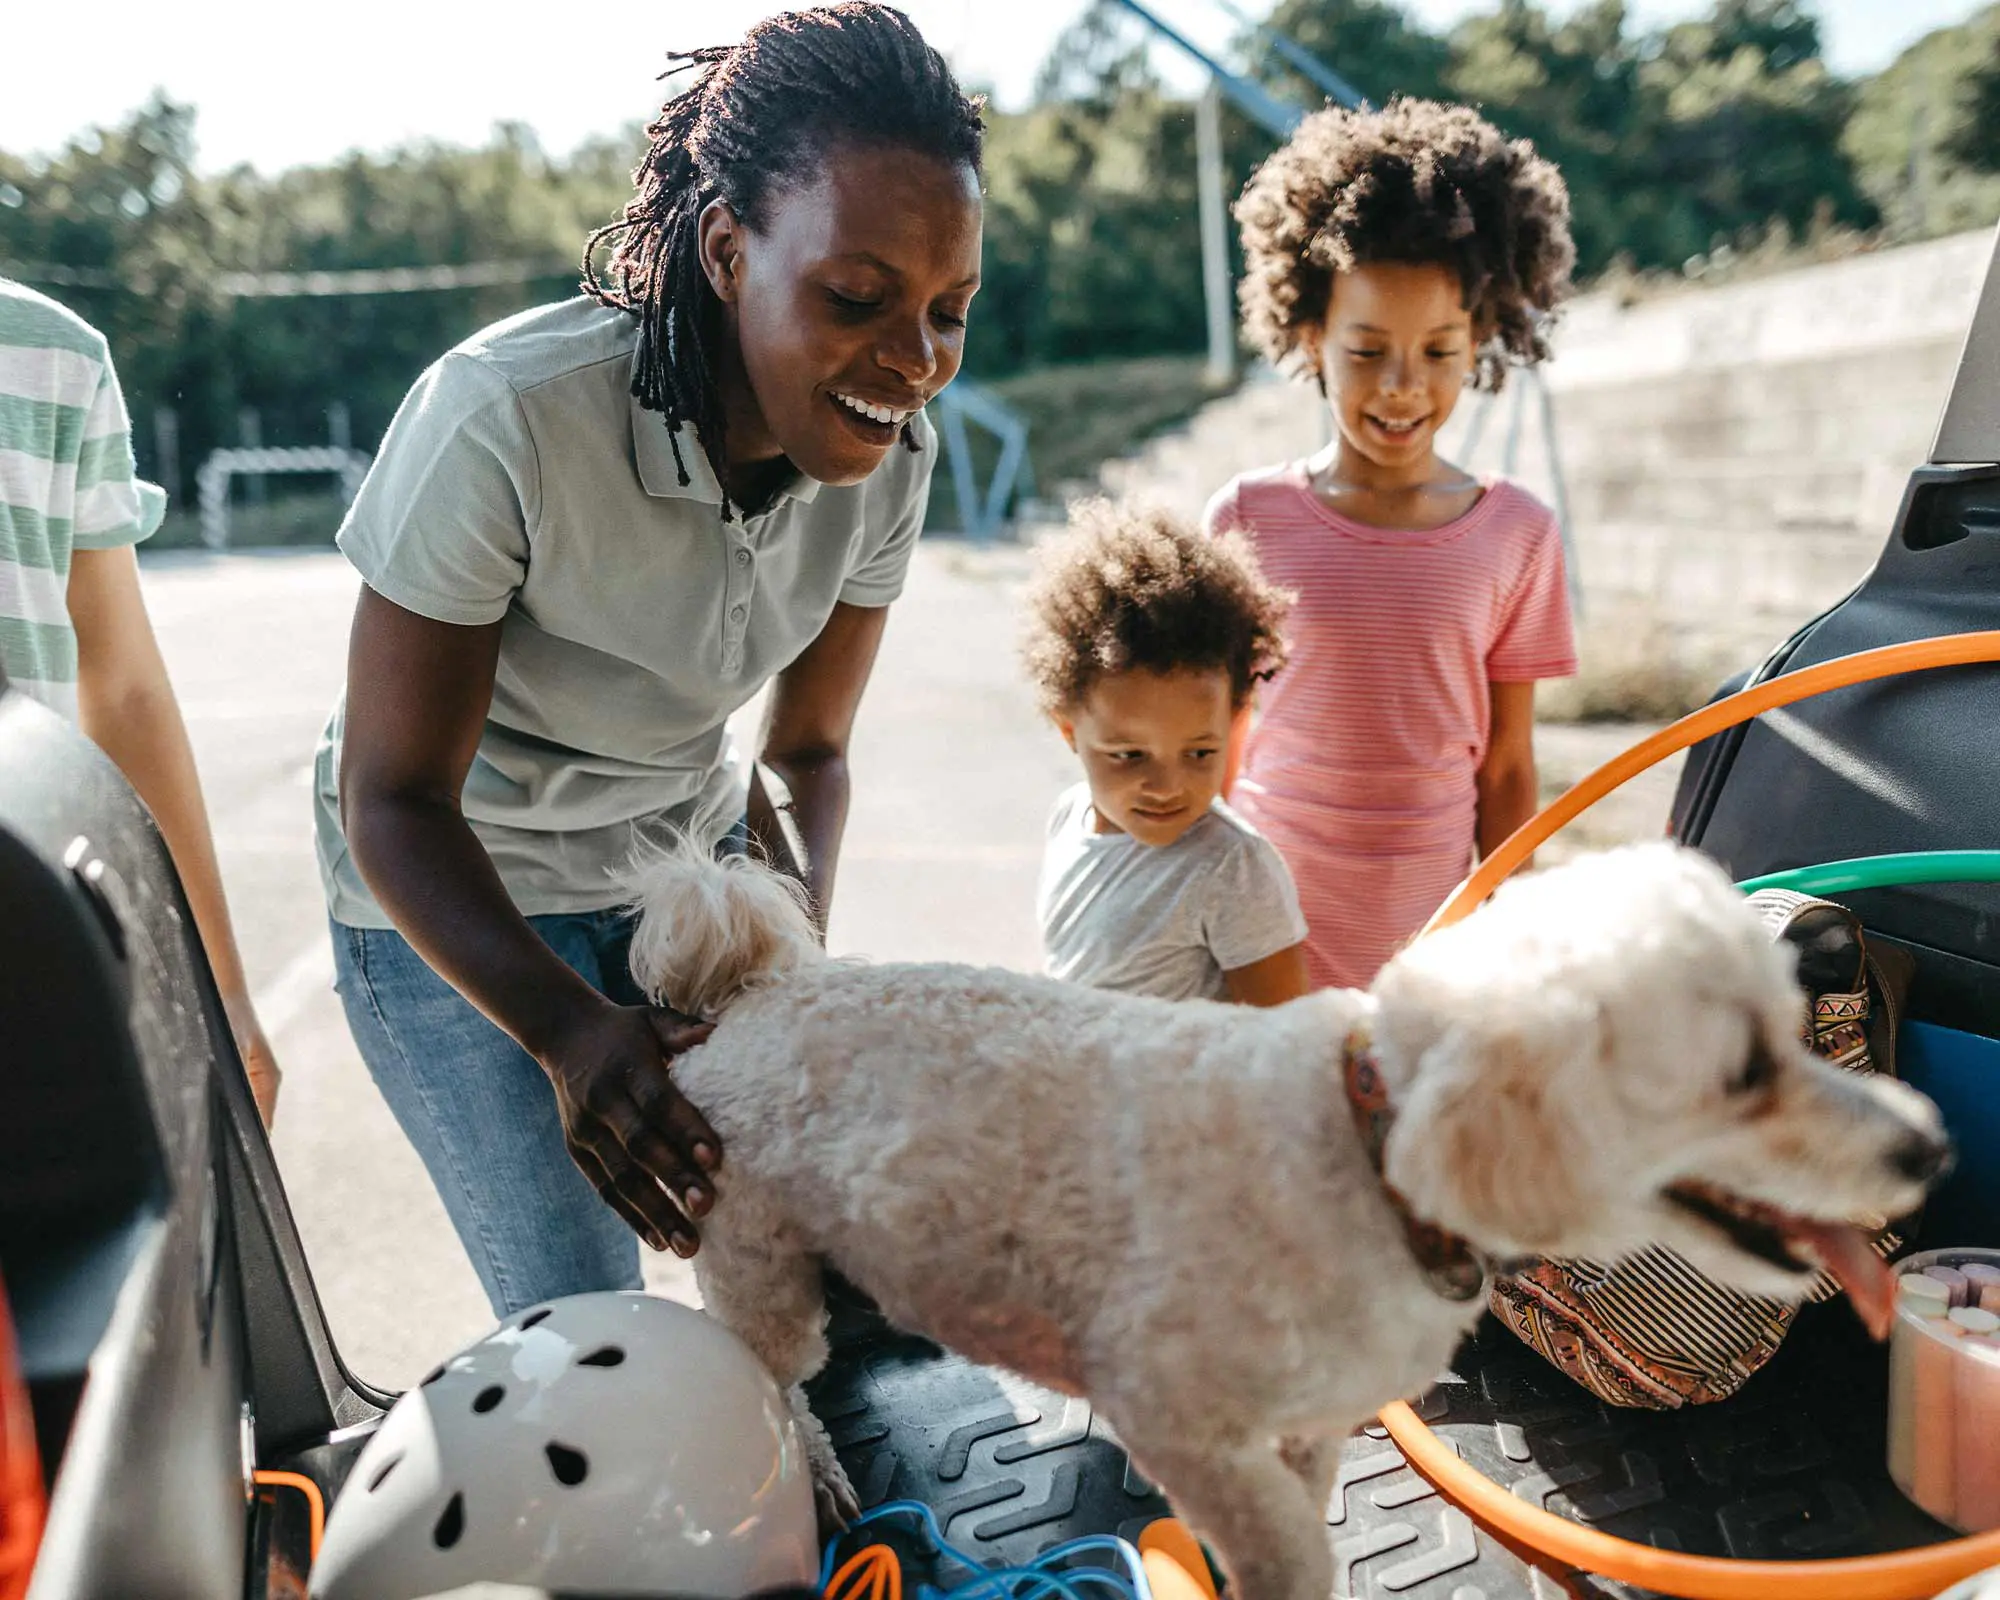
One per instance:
[(639, 1142), (260, 1066)]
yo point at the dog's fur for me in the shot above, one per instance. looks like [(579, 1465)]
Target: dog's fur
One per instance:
[(1165, 1207)]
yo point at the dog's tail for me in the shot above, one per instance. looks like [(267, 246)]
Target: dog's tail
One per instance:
[(710, 929)]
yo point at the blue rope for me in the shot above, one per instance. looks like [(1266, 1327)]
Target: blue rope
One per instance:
[(1039, 1580)]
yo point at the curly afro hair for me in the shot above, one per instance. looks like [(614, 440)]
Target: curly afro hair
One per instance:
[(1417, 181), (1129, 589)]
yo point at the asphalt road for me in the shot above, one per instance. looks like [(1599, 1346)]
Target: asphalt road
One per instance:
[(953, 770)]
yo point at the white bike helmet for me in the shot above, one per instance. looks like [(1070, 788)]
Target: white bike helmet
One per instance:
[(604, 1444)]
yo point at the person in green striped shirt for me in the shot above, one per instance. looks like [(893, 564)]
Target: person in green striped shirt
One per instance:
[(74, 632)]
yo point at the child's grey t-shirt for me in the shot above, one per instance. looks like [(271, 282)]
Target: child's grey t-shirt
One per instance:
[(1165, 920)]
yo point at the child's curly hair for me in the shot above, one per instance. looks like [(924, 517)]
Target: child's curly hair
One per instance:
[(1417, 181), (1130, 589)]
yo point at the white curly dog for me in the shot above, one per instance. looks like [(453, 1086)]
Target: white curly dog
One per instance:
[(1171, 1208)]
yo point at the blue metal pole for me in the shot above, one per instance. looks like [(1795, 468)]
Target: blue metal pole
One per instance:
[(1252, 99)]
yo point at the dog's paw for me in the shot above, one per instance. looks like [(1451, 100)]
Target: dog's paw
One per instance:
[(835, 1501)]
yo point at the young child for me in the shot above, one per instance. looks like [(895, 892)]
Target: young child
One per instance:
[(1144, 640), (1397, 257)]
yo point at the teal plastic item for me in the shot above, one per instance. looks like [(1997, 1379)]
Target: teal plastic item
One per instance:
[(1960, 1071), (1884, 872)]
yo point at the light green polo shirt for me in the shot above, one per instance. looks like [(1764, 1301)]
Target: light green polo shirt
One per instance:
[(520, 482)]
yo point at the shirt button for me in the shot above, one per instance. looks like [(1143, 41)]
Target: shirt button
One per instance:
[(737, 613), (743, 558)]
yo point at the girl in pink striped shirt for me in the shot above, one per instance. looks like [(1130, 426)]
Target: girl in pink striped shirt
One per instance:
[(1398, 257)]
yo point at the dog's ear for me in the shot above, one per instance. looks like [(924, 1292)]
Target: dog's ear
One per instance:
[(1488, 1140)]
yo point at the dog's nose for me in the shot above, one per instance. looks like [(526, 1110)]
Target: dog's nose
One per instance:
[(1923, 1157)]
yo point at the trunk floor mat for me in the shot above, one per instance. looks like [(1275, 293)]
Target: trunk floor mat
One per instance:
[(1790, 1469)]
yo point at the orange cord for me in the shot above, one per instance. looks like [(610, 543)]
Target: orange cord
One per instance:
[(1899, 1575), (874, 1573), (315, 1502), (1173, 1561)]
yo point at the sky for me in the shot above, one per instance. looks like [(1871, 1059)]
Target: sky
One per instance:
[(277, 86)]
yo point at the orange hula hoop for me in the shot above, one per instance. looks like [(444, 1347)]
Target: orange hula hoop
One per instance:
[(1915, 1574)]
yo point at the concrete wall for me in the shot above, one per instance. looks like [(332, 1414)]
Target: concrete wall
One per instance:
[(1733, 456)]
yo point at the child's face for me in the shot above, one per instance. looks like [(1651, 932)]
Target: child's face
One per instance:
[(1396, 351), (1152, 746)]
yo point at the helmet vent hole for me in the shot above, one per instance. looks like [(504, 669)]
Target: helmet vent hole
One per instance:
[(431, 1377), (609, 1356), (451, 1524), (489, 1397), (571, 1467), (534, 1317), (382, 1472)]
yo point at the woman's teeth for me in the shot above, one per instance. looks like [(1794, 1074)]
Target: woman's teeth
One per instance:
[(1397, 427), (873, 413)]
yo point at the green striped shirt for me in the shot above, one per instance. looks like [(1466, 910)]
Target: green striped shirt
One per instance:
[(66, 482)]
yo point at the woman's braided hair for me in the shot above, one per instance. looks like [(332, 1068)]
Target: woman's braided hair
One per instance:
[(1418, 181), (757, 119)]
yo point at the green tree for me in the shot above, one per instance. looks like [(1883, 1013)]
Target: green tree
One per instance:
[(1923, 134), (1371, 43), (1092, 246), (157, 256), (122, 215), (1976, 144), (1571, 87), (1741, 125)]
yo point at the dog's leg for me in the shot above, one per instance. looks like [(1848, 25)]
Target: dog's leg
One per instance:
[(833, 1493), (765, 1289), (1316, 1459), (1254, 1509)]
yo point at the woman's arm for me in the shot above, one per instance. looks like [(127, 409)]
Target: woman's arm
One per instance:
[(1270, 982), (806, 730), (127, 707), (417, 697), (1509, 791)]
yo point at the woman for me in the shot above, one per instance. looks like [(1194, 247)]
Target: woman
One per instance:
[(592, 532)]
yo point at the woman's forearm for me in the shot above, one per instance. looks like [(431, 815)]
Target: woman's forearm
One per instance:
[(817, 798), (432, 876)]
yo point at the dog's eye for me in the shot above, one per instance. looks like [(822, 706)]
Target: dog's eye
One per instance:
[(1757, 1074)]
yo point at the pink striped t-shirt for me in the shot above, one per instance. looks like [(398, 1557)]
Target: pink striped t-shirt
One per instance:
[(1361, 765)]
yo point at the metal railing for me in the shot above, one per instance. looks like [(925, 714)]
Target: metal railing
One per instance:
[(981, 512)]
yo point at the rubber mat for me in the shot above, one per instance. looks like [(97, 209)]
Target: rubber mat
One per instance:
[(1790, 1469)]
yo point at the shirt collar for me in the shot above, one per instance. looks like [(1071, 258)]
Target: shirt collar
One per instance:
[(653, 450)]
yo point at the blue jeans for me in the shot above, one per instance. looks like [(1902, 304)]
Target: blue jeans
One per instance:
[(482, 1114)]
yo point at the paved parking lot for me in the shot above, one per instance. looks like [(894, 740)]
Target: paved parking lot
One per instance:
[(953, 770), (953, 775)]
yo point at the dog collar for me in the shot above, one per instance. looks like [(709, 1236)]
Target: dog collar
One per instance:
[(1450, 1266)]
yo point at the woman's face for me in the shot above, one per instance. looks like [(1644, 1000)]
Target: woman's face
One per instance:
[(846, 309)]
